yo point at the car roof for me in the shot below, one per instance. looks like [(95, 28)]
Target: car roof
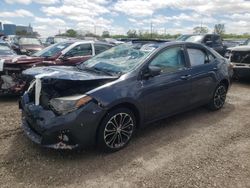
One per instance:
[(172, 43), (86, 42)]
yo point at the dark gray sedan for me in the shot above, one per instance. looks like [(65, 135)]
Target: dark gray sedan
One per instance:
[(105, 100)]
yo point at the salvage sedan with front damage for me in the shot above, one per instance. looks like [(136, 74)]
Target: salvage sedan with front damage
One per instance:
[(105, 100), (239, 56)]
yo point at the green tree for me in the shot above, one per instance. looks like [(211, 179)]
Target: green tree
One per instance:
[(200, 30), (71, 33), (22, 33), (131, 34), (219, 29), (105, 34)]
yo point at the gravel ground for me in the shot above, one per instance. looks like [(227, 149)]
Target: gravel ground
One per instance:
[(194, 149)]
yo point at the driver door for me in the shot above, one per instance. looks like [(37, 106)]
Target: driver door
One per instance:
[(170, 91)]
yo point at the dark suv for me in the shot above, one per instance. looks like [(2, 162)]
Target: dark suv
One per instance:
[(211, 40), (104, 100)]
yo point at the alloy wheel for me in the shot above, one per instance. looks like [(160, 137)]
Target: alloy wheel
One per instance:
[(118, 130), (220, 96)]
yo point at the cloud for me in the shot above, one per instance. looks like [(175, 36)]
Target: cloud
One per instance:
[(6, 21), (142, 8), (137, 14), (16, 13), (50, 21), (76, 9), (46, 2)]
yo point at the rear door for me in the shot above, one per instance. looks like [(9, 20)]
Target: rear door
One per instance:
[(203, 66)]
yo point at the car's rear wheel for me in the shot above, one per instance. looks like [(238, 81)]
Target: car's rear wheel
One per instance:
[(116, 130), (219, 97)]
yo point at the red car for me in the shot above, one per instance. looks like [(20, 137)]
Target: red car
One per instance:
[(65, 53)]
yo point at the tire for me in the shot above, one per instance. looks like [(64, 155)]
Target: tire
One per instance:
[(219, 97), (116, 130)]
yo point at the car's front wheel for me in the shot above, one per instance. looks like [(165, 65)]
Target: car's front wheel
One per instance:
[(219, 97), (116, 130)]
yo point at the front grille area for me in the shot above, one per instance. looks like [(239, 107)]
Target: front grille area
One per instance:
[(240, 57)]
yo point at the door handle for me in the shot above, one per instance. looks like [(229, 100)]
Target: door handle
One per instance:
[(186, 77)]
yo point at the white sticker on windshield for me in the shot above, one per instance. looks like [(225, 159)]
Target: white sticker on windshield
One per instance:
[(1, 64), (148, 48)]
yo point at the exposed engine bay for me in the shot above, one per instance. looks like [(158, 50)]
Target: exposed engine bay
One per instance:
[(55, 88), (12, 82), (240, 57)]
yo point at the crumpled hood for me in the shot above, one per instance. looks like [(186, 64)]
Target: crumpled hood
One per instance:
[(65, 73), (21, 59), (240, 48)]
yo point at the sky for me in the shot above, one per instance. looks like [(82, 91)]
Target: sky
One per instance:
[(49, 17)]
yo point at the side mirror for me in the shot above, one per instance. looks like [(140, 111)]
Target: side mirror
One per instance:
[(63, 57), (151, 72)]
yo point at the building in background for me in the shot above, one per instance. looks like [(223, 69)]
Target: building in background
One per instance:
[(24, 29), (12, 29), (9, 29)]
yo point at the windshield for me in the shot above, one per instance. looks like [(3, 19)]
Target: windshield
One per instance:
[(194, 38), (24, 41), (247, 42), (52, 50), (5, 50), (120, 59)]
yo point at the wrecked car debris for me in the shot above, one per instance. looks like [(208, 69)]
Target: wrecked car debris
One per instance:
[(240, 58), (67, 53)]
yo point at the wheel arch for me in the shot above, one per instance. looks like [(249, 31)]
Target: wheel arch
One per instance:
[(128, 105), (225, 82)]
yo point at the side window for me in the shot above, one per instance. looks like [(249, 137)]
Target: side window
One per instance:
[(80, 50), (99, 48), (170, 60), (198, 57)]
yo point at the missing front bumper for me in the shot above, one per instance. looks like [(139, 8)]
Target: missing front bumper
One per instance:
[(36, 138)]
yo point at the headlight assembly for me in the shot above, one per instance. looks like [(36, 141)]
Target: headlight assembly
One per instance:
[(64, 105)]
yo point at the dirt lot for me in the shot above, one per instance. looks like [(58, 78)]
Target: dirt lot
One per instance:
[(195, 149)]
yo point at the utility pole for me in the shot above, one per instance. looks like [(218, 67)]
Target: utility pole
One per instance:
[(94, 29), (151, 29)]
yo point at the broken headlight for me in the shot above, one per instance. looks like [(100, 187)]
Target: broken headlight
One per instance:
[(64, 105)]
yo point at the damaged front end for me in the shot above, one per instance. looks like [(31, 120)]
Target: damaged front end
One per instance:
[(241, 63), (59, 114), (11, 79)]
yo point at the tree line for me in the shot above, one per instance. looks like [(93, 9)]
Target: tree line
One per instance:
[(218, 29)]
